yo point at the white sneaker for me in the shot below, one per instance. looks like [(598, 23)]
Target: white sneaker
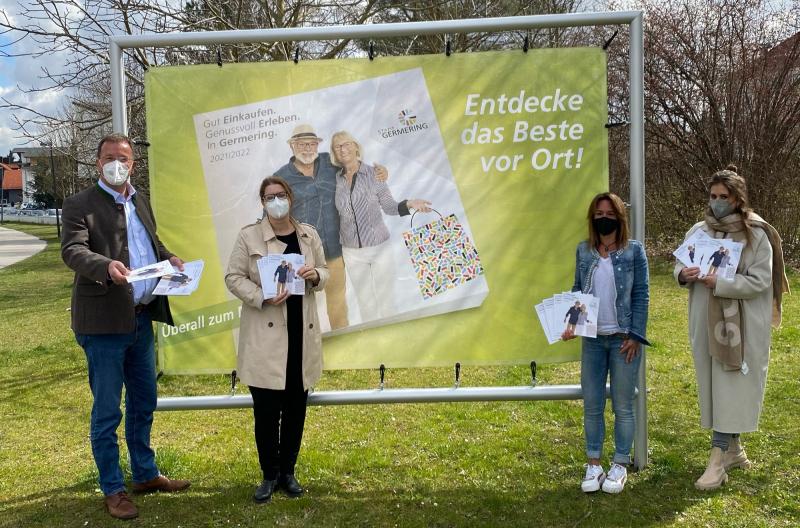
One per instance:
[(617, 477), (594, 478)]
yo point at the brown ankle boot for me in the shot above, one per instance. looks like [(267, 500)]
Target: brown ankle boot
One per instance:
[(715, 475), (735, 457)]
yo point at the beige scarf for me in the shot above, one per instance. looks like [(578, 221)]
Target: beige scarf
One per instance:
[(725, 330)]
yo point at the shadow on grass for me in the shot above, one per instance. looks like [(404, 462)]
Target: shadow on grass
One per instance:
[(36, 383), (331, 503)]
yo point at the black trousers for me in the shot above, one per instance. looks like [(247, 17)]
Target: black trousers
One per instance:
[(280, 416)]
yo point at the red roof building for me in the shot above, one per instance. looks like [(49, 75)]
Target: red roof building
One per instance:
[(12, 183)]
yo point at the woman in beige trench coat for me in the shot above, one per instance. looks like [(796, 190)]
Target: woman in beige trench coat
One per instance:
[(280, 347), (729, 324)]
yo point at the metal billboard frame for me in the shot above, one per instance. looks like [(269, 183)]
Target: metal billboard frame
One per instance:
[(634, 20)]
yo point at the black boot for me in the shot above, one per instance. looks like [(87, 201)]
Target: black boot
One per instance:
[(290, 485), (264, 491)]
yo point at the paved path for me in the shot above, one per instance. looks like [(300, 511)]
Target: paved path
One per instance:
[(16, 246)]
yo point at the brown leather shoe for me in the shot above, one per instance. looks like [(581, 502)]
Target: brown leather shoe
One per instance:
[(120, 506), (161, 483)]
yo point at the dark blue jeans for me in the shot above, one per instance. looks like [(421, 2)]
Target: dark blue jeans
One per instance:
[(115, 360), (599, 358)]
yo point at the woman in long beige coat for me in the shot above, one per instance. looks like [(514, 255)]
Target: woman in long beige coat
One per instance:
[(280, 347), (729, 324)]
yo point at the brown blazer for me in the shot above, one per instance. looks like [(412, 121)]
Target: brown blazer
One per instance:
[(94, 233)]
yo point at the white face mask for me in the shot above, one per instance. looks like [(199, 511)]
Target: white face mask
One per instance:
[(277, 208), (115, 173)]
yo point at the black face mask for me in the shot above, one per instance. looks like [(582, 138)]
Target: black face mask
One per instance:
[(605, 225)]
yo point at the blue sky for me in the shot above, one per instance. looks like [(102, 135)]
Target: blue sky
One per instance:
[(25, 72), (7, 66)]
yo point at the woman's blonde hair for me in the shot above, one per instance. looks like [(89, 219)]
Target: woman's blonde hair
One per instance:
[(622, 215), (345, 136)]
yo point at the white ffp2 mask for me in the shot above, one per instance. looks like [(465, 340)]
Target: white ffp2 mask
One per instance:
[(116, 173), (277, 208)]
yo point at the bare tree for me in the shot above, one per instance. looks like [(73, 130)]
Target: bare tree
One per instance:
[(418, 11), (721, 87), (79, 32)]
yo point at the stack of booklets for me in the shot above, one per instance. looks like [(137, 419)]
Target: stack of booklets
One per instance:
[(568, 311), (714, 256)]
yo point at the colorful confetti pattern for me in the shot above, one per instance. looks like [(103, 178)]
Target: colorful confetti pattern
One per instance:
[(443, 256)]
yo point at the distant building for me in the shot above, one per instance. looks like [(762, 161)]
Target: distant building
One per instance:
[(30, 160), (11, 177)]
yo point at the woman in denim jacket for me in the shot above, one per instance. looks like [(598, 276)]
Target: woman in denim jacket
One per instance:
[(614, 269)]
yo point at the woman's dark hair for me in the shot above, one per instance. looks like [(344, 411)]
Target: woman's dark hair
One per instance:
[(622, 215), (275, 180)]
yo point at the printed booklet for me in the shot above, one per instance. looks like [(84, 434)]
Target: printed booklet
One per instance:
[(159, 269), (569, 310), (714, 256), (279, 273), (181, 282)]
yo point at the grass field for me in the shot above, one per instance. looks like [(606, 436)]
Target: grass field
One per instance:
[(468, 464)]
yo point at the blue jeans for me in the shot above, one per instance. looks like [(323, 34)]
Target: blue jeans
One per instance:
[(115, 360), (600, 356)]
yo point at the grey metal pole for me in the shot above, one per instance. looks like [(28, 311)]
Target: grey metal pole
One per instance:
[(384, 396), (55, 191), (633, 18), (119, 42), (470, 25), (55, 185), (637, 208), (2, 194), (119, 112)]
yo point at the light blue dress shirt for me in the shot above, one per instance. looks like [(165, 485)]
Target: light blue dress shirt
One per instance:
[(141, 250)]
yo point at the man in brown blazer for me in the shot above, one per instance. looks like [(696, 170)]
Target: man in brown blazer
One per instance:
[(109, 229)]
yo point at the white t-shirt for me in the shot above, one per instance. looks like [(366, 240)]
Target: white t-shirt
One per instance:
[(605, 288)]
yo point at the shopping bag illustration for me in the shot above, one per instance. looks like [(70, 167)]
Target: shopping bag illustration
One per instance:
[(442, 255)]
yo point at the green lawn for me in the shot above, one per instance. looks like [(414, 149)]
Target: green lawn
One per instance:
[(468, 464)]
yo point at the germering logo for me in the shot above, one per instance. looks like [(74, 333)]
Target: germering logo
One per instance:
[(407, 117), (409, 124)]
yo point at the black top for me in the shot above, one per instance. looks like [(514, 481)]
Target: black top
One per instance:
[(716, 258), (573, 314), (294, 324)]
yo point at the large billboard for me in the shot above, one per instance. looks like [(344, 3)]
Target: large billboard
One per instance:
[(507, 147)]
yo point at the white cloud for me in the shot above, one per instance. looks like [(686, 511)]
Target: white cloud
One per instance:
[(21, 73)]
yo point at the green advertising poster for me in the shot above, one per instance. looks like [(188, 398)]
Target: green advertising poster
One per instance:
[(507, 147)]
